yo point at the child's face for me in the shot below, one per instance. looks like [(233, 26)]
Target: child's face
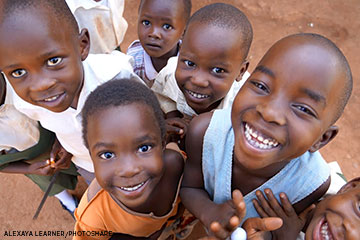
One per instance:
[(210, 59), (161, 24), (337, 217), (286, 106), (43, 63), (126, 148)]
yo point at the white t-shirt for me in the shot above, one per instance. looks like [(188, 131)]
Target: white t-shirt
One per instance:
[(16, 130), (98, 68), (104, 20)]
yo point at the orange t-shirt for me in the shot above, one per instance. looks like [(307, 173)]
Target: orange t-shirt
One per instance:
[(102, 214)]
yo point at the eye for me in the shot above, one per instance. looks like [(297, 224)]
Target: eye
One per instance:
[(145, 22), (260, 86), (107, 155), (218, 70), (189, 63), (18, 73), (167, 26), (54, 61), (144, 148), (305, 110)]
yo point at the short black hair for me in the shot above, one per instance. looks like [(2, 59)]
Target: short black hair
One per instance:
[(58, 7), (187, 7), (228, 17), (120, 92), (341, 61)]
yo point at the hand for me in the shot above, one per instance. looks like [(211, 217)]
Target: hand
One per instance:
[(270, 207), (41, 168), (259, 228), (231, 214), (59, 157), (176, 126)]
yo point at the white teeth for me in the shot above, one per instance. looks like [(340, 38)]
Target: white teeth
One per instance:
[(197, 95), (325, 232), (257, 140), (133, 188), (51, 98)]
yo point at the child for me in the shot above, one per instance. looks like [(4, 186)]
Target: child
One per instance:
[(137, 179), (286, 108), (25, 148), (50, 70), (211, 66), (161, 23), (335, 217), (104, 21)]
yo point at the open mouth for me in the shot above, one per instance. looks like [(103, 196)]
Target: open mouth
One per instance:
[(52, 98), (259, 140), (323, 231), (133, 187), (197, 95)]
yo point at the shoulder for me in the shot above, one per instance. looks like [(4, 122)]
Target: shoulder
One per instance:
[(108, 65), (93, 189), (198, 127), (134, 48), (313, 197), (174, 160)]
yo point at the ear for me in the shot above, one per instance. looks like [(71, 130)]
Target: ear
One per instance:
[(325, 138), (243, 69), (84, 41)]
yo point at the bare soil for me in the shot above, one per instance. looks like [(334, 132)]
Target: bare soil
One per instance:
[(336, 19)]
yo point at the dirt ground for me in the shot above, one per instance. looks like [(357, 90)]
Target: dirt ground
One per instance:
[(336, 19)]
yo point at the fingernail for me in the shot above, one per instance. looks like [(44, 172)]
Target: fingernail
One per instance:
[(48, 162)]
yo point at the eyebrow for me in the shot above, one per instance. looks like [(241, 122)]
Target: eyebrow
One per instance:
[(44, 55), (143, 139), (265, 70), (103, 145), (314, 95)]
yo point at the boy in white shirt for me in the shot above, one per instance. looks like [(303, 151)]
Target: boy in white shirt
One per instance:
[(51, 72)]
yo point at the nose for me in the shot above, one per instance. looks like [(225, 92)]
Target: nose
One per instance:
[(154, 32), (272, 111), (199, 79), (127, 167), (41, 83)]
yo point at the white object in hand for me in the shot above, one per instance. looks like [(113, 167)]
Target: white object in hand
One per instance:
[(238, 234)]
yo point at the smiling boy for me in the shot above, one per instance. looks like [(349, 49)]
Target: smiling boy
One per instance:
[(283, 114), (211, 66), (45, 58)]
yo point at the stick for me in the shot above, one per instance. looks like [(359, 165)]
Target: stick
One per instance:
[(46, 194)]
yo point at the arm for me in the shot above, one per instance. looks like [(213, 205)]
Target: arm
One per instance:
[(38, 168), (221, 219)]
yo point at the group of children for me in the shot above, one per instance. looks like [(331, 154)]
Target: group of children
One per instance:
[(177, 129)]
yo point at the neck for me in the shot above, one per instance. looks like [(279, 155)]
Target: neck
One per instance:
[(160, 62)]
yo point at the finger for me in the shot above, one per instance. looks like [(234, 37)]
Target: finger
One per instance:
[(304, 215), (253, 225), (259, 209), (234, 222), (218, 230), (239, 203), (264, 204), (174, 130), (287, 207), (275, 205)]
